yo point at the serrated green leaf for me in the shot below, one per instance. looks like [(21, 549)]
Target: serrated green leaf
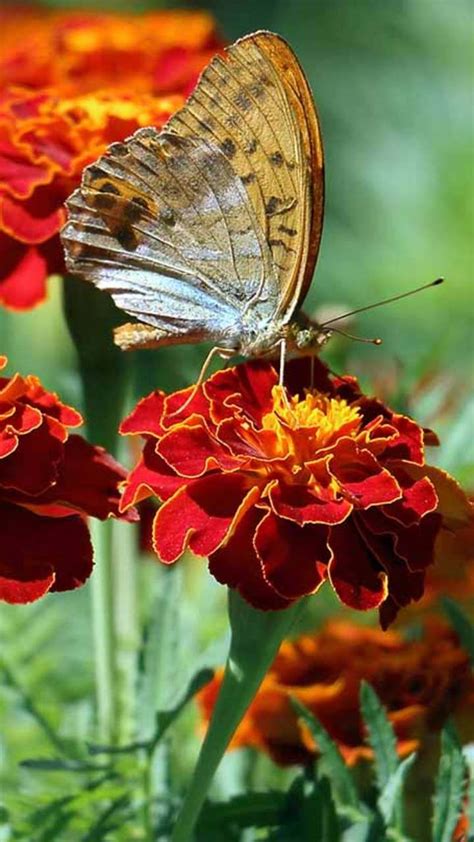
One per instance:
[(342, 785), (461, 624), (450, 786), (390, 798), (380, 735)]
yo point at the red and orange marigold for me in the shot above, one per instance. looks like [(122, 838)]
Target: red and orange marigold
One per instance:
[(420, 682), (49, 482), (70, 84), (283, 490)]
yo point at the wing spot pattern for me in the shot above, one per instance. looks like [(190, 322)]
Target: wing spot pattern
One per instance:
[(292, 232), (108, 187), (276, 158), (168, 217), (228, 147), (126, 238)]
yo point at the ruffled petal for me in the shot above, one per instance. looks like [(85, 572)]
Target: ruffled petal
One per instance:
[(294, 558), (145, 419), (355, 573), (191, 451), (200, 515), (237, 565), (303, 505), (39, 554), (152, 475)]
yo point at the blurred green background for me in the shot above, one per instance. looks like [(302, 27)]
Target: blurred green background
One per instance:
[(393, 85)]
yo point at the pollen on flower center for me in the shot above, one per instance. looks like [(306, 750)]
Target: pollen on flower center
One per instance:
[(315, 421)]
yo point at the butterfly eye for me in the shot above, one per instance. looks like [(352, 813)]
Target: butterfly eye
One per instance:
[(304, 338)]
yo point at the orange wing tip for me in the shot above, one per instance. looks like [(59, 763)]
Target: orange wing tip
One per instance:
[(130, 337)]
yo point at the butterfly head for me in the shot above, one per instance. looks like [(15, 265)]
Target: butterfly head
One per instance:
[(305, 336)]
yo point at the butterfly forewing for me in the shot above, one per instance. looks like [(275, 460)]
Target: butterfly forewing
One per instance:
[(213, 224)]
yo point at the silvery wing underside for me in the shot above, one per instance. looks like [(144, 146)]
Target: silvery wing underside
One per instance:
[(209, 229)]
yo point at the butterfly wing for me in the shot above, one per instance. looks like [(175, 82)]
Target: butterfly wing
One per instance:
[(162, 224), (192, 228), (256, 104)]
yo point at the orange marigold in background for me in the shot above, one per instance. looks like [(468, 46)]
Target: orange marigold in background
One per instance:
[(421, 683), (282, 491), (70, 84), (49, 482)]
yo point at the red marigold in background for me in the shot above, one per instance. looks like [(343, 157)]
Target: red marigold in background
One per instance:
[(49, 481), (282, 493), (421, 683), (70, 84)]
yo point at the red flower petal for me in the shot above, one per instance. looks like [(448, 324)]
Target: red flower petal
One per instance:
[(191, 451), (193, 402), (145, 419), (413, 544), (409, 443), (38, 554), (201, 515), (294, 558), (354, 572), (150, 476), (33, 467), (35, 220), (362, 477), (88, 481), (418, 499), (237, 565), (50, 404), (23, 273), (248, 388), (453, 504), (301, 504)]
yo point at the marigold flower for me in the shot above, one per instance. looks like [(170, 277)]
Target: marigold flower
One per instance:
[(421, 683), (283, 493), (70, 84), (49, 480)]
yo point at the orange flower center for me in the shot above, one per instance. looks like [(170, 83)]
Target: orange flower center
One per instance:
[(302, 427)]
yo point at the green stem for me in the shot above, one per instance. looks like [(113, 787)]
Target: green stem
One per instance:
[(91, 316), (255, 640), (104, 633)]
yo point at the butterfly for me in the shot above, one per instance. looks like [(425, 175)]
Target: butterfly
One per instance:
[(209, 229)]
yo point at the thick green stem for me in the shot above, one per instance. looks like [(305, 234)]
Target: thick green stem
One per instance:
[(91, 317), (104, 633), (256, 637)]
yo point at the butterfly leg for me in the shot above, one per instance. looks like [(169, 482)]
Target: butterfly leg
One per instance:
[(311, 370), (282, 361), (226, 353)]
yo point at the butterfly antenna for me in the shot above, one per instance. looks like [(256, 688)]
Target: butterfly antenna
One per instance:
[(376, 341), (380, 303)]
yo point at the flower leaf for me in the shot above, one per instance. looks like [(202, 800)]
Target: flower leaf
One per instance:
[(461, 624), (390, 798), (450, 786), (380, 735), (253, 809), (343, 787)]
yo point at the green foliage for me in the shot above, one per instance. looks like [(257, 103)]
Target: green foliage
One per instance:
[(381, 736), (343, 787), (450, 787)]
